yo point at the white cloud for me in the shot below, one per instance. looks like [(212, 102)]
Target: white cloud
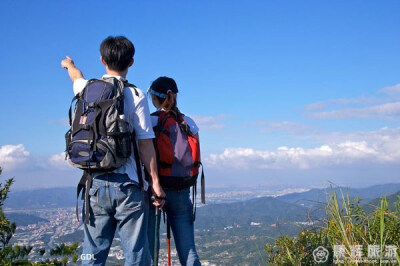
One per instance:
[(12, 155), (37, 171), (315, 106), (340, 102), (384, 105), (59, 122), (58, 161), (392, 90), (285, 126), (385, 111), (209, 122), (379, 147)]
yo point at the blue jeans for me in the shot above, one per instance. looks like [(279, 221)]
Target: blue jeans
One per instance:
[(116, 203), (179, 210)]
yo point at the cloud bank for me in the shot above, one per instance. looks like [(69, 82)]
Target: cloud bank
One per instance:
[(209, 122), (58, 161), (12, 156), (33, 171), (386, 105), (381, 111), (357, 158), (378, 147)]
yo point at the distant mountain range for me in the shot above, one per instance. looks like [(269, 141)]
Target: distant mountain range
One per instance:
[(66, 197), (24, 219), (315, 197), (267, 210), (392, 199), (42, 198)]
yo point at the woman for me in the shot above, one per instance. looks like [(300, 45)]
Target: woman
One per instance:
[(178, 207)]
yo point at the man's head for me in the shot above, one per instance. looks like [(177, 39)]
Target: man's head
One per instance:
[(117, 53)]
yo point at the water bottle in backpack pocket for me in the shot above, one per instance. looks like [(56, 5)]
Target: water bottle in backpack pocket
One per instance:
[(124, 147)]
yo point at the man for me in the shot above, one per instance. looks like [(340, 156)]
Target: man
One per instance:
[(116, 200)]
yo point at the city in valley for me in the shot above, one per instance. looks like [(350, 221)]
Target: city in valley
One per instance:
[(63, 227), (60, 225)]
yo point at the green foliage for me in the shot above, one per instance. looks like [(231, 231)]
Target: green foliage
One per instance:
[(346, 224), (296, 251), (64, 250), (17, 255)]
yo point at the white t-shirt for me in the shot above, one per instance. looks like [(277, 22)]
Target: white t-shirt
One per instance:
[(136, 111), (192, 125)]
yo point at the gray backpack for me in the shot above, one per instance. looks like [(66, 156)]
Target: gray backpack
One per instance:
[(99, 139)]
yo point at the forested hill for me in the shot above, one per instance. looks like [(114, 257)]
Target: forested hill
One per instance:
[(391, 199), (265, 210), (316, 196), (42, 198)]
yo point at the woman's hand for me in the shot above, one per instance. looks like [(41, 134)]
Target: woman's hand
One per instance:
[(159, 195)]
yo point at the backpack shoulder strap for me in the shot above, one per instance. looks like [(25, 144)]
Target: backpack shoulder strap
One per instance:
[(133, 86), (162, 118), (156, 113), (130, 85)]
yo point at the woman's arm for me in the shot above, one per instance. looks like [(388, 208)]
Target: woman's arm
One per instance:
[(148, 156)]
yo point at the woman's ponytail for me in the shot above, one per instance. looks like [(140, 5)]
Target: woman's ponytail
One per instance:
[(169, 102)]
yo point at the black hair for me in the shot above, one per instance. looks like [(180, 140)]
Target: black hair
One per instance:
[(117, 52), (164, 84), (167, 86)]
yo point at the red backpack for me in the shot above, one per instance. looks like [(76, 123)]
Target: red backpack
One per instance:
[(178, 153)]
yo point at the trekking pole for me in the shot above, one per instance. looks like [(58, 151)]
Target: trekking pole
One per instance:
[(169, 242), (156, 236)]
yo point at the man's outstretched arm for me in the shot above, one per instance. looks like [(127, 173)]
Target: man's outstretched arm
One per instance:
[(73, 72), (148, 156)]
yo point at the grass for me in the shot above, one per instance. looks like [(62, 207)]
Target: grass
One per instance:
[(347, 226)]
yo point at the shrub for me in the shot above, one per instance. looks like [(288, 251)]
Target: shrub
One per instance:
[(346, 226)]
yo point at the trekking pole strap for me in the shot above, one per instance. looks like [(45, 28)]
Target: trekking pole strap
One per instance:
[(163, 216), (194, 194), (203, 185)]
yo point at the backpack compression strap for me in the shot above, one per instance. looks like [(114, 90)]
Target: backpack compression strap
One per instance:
[(137, 161), (203, 185), (194, 192), (84, 185)]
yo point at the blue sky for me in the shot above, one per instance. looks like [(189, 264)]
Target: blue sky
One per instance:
[(285, 92)]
